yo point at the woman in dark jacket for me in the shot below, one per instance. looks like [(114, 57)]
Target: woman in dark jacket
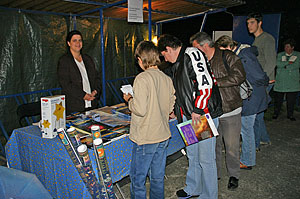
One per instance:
[(78, 77)]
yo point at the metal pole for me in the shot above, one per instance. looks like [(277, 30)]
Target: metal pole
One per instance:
[(203, 22), (74, 22), (149, 20), (102, 58), (158, 27)]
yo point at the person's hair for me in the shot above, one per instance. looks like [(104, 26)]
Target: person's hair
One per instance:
[(148, 53), (202, 38), (71, 34), (290, 41), (168, 40), (225, 41), (257, 16)]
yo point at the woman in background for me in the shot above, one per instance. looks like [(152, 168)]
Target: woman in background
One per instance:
[(78, 77), (287, 79)]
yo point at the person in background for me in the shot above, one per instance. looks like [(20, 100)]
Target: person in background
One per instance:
[(265, 44), (78, 77), (195, 96), (287, 79), (258, 100), (230, 122), (150, 107)]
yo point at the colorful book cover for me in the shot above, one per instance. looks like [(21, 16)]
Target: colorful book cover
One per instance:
[(199, 131), (122, 112), (114, 133), (84, 125), (107, 133), (111, 120)]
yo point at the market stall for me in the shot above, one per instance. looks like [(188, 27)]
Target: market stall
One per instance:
[(41, 28), (26, 150), (34, 38)]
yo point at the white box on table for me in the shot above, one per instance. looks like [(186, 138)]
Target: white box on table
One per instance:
[(53, 110)]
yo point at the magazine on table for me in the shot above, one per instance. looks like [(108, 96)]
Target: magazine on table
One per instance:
[(199, 131), (108, 133), (122, 112), (110, 119)]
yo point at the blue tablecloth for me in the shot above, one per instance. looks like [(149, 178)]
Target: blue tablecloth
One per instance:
[(26, 150)]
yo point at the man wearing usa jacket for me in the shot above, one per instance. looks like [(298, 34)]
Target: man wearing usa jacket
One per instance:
[(193, 83), (230, 122)]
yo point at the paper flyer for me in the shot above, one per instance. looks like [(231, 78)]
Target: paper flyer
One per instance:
[(135, 11), (127, 89)]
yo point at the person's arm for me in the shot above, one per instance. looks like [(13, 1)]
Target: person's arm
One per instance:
[(270, 58), (284, 62), (172, 99), (139, 103), (254, 72), (261, 78), (197, 68), (236, 75), (95, 75)]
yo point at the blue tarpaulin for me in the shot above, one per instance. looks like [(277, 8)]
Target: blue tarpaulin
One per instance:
[(15, 184)]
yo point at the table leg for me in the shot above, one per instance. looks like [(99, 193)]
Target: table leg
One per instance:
[(120, 191)]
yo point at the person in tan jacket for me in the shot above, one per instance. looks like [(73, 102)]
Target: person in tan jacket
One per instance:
[(150, 107)]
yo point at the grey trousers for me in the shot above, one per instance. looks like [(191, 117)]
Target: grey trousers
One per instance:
[(229, 132)]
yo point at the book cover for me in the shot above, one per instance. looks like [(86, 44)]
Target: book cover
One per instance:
[(199, 131), (107, 135), (122, 112), (114, 133), (84, 125), (111, 120)]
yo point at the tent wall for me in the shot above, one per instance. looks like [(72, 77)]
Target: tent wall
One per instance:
[(31, 45)]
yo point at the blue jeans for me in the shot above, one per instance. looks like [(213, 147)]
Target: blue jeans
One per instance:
[(201, 177), (148, 159), (248, 155), (260, 130)]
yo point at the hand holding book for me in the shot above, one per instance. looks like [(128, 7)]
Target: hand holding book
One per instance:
[(196, 118)]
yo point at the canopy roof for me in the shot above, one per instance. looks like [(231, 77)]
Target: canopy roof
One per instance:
[(161, 9)]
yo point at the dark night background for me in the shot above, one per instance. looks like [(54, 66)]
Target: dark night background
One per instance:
[(289, 23)]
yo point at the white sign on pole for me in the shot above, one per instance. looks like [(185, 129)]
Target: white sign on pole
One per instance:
[(135, 11), (217, 34)]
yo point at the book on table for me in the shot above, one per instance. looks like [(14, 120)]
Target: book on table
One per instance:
[(108, 117), (122, 112), (193, 133), (108, 133)]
